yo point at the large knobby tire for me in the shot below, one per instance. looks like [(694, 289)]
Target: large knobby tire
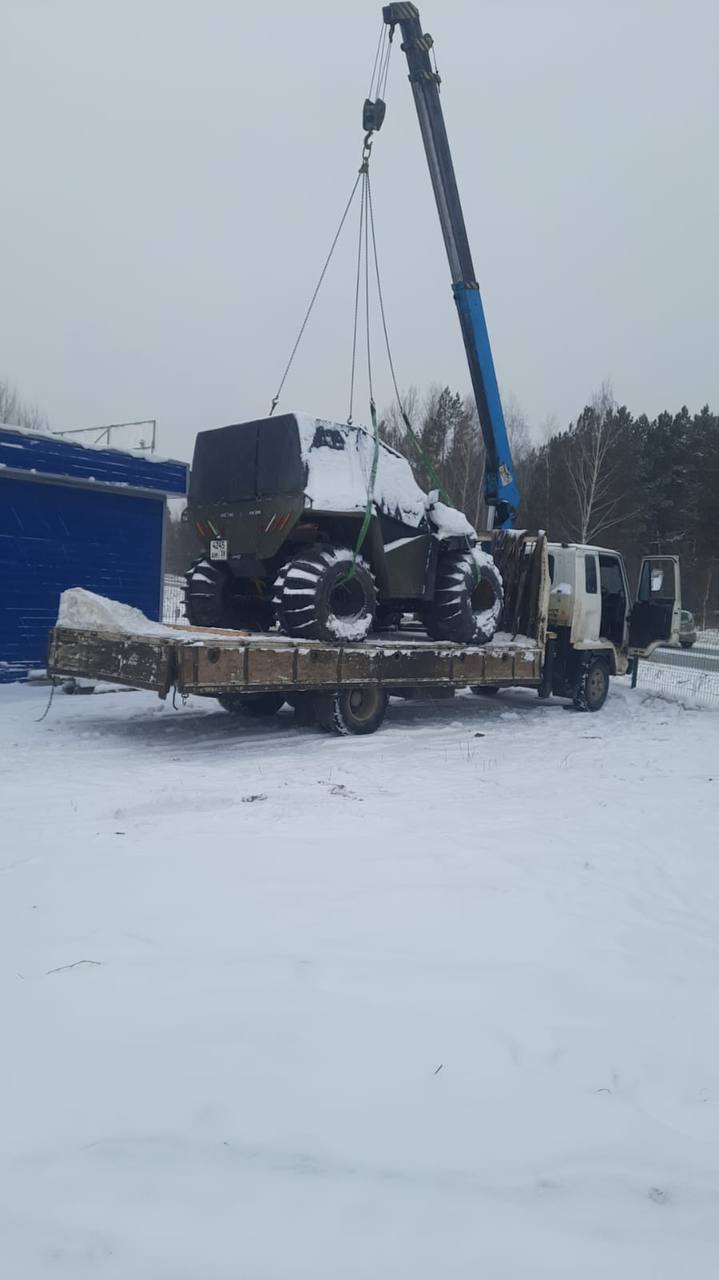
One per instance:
[(592, 685), (351, 711), (254, 705), (213, 598), (320, 596), (468, 599)]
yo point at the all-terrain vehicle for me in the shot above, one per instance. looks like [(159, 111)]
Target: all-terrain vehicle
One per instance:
[(280, 504)]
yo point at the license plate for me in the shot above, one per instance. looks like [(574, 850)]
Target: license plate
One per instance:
[(218, 549)]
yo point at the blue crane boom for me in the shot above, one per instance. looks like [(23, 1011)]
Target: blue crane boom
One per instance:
[(500, 486)]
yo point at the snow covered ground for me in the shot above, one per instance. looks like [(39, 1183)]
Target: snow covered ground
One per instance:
[(442, 1002)]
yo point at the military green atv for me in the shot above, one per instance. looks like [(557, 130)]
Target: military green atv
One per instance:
[(279, 503)]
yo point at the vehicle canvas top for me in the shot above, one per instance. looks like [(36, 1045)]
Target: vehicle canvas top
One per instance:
[(329, 462)]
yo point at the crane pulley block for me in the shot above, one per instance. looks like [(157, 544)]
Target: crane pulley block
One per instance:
[(373, 114)]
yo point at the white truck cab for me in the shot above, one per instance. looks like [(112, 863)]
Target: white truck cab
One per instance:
[(595, 627)]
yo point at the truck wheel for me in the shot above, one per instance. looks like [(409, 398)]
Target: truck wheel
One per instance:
[(468, 600), (319, 596), (592, 686), (351, 711), (251, 704), (213, 599), (484, 690)]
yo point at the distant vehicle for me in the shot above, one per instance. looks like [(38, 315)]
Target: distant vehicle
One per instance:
[(687, 629)]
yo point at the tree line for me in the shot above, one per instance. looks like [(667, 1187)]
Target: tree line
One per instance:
[(637, 484), (16, 412)]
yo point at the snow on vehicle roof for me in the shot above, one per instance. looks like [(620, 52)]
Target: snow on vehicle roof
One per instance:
[(448, 522), (339, 458)]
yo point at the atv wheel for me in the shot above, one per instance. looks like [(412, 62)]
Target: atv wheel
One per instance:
[(213, 598), (468, 599), (320, 597), (251, 704), (592, 685), (351, 711)]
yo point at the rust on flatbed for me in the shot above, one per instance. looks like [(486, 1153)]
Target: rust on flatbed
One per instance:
[(259, 665)]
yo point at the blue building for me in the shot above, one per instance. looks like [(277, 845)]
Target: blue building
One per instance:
[(75, 516)]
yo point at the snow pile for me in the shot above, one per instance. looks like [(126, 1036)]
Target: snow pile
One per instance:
[(85, 611), (339, 465)]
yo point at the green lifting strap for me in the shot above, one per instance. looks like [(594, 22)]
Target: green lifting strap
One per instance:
[(369, 509)]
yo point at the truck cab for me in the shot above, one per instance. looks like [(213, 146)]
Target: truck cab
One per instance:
[(596, 626)]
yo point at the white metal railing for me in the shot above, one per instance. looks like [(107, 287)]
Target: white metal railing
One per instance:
[(173, 599)]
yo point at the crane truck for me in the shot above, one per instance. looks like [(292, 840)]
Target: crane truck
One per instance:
[(563, 619)]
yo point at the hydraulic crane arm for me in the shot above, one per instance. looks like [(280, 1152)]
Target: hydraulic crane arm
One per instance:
[(501, 493)]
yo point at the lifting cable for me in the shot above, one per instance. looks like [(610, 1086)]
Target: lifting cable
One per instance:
[(405, 416), (363, 250), (378, 81), (367, 233), (382, 30), (313, 299)]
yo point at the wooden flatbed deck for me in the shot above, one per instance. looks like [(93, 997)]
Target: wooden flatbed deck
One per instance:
[(208, 664)]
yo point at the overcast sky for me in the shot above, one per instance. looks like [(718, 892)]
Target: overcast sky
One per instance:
[(173, 170)]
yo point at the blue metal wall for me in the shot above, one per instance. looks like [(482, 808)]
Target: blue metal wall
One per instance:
[(55, 535), (48, 455), (97, 523)]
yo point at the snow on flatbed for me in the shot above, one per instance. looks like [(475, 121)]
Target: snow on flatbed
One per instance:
[(82, 610), (438, 1002)]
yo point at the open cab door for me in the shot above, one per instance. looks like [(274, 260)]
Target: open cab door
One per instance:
[(656, 612)]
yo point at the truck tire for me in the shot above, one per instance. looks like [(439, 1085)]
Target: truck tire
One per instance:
[(351, 711), (251, 704), (468, 600), (213, 598), (320, 596), (592, 685), (485, 690)]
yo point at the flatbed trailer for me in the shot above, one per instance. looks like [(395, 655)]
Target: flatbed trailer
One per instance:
[(345, 686)]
